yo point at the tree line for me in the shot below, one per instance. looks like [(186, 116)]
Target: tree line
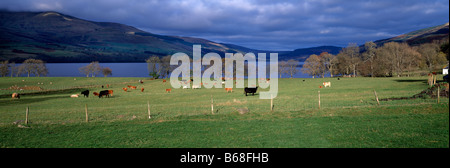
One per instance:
[(390, 59), (38, 68)]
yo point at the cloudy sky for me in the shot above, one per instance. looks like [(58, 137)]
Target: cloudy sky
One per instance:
[(262, 24)]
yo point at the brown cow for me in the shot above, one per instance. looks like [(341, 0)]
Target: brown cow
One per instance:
[(164, 81), (15, 95), (168, 90), (133, 87), (142, 89), (96, 94), (110, 92), (125, 89), (229, 89)]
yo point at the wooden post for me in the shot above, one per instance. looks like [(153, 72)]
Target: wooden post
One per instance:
[(26, 115), (319, 99), (376, 97), (271, 102), (212, 105), (87, 116), (148, 109)]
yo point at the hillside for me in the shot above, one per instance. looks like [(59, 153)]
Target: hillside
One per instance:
[(420, 36), (56, 37)]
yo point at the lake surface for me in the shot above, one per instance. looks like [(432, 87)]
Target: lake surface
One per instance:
[(118, 70)]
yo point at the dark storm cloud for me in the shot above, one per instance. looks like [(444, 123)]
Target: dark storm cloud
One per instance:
[(276, 25)]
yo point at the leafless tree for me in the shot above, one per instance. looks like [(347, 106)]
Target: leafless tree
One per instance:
[(33, 66), (292, 67), (91, 69), (106, 71), (312, 66), (4, 68)]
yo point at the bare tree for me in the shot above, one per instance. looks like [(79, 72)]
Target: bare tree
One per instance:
[(106, 71), (4, 68), (430, 54), (282, 67), (91, 69), (312, 66), (329, 62), (352, 54), (292, 67), (369, 55), (33, 66)]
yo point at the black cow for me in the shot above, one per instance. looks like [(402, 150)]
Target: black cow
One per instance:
[(250, 90), (85, 93), (103, 93)]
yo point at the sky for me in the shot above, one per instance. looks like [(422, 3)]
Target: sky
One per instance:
[(263, 24)]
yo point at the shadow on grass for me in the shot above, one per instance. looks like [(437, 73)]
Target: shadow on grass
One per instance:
[(411, 80)]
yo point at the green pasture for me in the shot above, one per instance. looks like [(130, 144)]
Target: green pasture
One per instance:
[(348, 117)]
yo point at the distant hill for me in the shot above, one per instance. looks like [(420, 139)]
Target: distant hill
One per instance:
[(421, 36), (55, 37)]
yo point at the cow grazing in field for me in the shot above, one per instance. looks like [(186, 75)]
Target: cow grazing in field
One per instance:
[(15, 95), (140, 81), (142, 89), (103, 93), (229, 90), (96, 94), (110, 92), (195, 87), (125, 89), (133, 87), (168, 90), (74, 95), (325, 84), (164, 81), (250, 90), (85, 93)]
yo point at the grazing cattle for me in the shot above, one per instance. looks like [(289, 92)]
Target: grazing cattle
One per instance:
[(125, 89), (74, 95), (195, 87), (325, 84), (107, 85), (339, 79), (129, 86), (15, 95), (142, 89), (229, 89), (168, 90), (185, 87), (140, 81), (110, 92), (85, 93), (96, 94), (103, 93), (320, 87), (250, 90), (164, 81), (133, 87)]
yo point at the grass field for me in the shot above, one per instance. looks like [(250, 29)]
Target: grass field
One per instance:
[(349, 116)]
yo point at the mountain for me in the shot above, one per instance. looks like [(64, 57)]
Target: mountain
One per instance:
[(421, 36), (55, 37)]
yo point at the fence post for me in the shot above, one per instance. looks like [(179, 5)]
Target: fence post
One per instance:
[(86, 109), (319, 99), (148, 109), (212, 105), (378, 102), (26, 115), (271, 102)]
